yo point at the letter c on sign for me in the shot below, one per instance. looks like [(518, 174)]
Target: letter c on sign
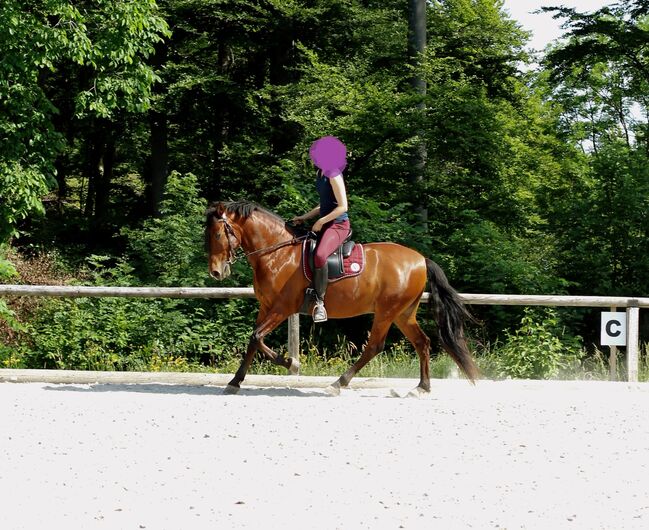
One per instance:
[(609, 326), (613, 329)]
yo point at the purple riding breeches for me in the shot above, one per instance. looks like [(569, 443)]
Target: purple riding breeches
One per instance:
[(332, 236)]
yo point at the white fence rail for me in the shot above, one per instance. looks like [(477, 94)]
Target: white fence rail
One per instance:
[(632, 306)]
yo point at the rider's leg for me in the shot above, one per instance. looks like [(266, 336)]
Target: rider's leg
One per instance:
[(332, 237), (320, 281)]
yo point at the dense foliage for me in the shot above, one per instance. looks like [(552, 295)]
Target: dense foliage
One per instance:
[(120, 120)]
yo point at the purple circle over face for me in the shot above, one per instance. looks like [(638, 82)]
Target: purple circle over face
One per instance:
[(329, 154)]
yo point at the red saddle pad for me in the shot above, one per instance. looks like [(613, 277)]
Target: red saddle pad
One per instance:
[(352, 266)]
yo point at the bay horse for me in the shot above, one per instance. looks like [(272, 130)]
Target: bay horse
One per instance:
[(390, 286)]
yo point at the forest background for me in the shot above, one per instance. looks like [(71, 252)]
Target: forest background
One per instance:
[(120, 120)]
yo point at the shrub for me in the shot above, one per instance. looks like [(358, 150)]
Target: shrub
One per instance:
[(132, 334), (8, 322), (168, 250), (539, 349), (141, 334)]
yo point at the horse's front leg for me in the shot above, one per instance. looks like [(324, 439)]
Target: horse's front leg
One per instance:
[(269, 323), (292, 365)]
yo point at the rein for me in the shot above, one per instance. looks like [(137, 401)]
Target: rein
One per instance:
[(232, 254)]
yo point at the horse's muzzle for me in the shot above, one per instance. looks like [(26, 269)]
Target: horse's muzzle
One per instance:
[(220, 273)]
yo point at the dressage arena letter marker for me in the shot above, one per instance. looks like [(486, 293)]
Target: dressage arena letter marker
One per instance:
[(613, 330)]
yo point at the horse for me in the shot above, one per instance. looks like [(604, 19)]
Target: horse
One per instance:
[(390, 286)]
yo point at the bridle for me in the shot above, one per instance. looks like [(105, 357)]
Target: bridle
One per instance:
[(232, 251), (229, 231)]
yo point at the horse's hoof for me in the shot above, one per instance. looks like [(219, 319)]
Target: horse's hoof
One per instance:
[(231, 390), (417, 392), (294, 369), (333, 390)]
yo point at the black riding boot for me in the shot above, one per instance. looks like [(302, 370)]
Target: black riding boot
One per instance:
[(320, 280)]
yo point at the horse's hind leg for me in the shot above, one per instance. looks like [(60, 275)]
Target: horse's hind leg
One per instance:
[(375, 344), (407, 323)]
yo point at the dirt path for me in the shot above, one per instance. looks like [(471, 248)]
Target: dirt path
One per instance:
[(500, 455)]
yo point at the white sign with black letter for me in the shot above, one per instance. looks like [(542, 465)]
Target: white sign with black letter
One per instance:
[(613, 331)]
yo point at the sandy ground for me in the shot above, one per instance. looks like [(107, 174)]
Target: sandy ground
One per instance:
[(498, 455)]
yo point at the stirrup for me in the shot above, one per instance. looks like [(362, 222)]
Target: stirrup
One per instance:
[(319, 311)]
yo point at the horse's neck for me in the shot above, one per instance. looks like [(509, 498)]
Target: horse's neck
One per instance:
[(271, 255), (258, 236)]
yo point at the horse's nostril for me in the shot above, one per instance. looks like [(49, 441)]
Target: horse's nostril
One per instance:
[(215, 275)]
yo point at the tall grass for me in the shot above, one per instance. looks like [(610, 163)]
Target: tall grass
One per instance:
[(399, 360)]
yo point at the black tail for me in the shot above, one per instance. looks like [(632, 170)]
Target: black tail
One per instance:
[(450, 314)]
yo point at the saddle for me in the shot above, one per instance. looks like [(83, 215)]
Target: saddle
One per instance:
[(347, 260)]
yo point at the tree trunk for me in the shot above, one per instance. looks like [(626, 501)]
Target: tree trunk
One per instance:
[(157, 170), (416, 51), (159, 161), (219, 135), (61, 166), (220, 126), (100, 161), (282, 134), (93, 159), (104, 177)]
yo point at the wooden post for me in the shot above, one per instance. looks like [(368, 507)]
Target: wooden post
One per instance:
[(632, 340), (612, 363), (612, 357), (294, 337)]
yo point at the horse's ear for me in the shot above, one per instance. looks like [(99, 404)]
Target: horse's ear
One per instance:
[(220, 208), (216, 209)]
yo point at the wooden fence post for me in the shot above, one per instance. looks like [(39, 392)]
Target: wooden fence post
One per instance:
[(294, 336), (612, 357), (632, 340)]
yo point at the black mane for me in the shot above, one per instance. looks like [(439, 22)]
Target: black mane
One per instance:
[(245, 209), (242, 209)]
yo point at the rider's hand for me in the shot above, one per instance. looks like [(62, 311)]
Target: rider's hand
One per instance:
[(317, 226), (298, 220)]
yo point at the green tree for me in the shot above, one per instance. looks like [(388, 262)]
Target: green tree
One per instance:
[(31, 42), (599, 76), (62, 61), (234, 92), (606, 58)]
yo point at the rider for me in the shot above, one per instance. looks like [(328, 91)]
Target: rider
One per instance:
[(329, 156)]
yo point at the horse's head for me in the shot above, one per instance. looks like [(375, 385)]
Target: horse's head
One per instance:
[(229, 225), (222, 238)]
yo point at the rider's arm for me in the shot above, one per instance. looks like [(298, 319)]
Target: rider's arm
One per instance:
[(309, 215)]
